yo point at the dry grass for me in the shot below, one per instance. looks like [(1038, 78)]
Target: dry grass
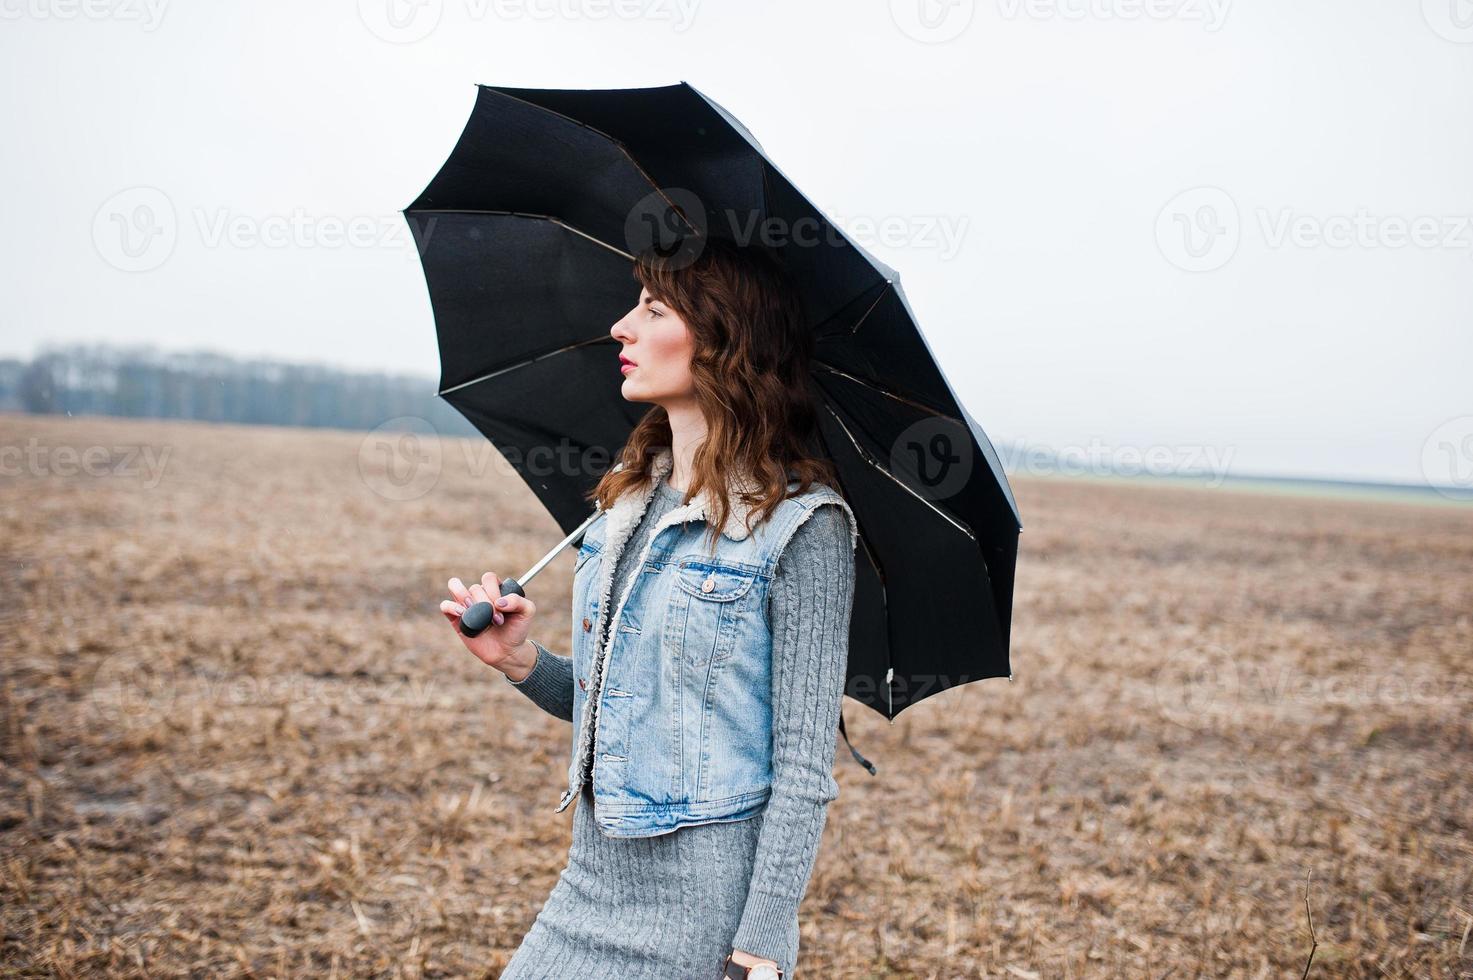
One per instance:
[(238, 739)]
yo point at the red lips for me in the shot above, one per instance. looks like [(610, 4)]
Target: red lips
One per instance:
[(624, 360)]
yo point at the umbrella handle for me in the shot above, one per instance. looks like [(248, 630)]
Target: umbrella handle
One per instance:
[(479, 617)]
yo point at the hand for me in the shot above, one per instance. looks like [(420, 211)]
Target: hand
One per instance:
[(504, 643), (748, 959)]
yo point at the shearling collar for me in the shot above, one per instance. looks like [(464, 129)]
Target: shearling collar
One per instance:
[(629, 508)]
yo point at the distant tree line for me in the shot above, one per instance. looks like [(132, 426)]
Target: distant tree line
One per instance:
[(143, 382)]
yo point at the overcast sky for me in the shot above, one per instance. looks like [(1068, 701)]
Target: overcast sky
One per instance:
[(1235, 231)]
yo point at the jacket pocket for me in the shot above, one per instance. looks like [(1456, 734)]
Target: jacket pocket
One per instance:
[(713, 582)]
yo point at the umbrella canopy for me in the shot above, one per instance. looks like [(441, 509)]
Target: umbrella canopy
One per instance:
[(527, 236)]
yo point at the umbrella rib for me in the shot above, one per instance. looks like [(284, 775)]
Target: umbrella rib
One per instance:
[(522, 364), (617, 143), (874, 562), (527, 214), (864, 454), (858, 323), (890, 393), (854, 329)]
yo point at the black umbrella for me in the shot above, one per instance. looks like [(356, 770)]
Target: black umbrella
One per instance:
[(527, 235)]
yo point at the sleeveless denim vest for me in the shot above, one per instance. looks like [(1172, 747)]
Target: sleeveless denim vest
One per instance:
[(684, 707)]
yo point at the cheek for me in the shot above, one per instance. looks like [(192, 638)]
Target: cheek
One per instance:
[(674, 353)]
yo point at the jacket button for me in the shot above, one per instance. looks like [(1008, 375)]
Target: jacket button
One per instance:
[(709, 584), (586, 624)]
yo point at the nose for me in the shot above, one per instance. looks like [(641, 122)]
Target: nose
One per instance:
[(620, 332)]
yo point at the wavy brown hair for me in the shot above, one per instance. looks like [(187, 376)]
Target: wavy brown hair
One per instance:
[(751, 349)]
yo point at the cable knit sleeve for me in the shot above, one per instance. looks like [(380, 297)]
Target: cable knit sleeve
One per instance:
[(809, 605), (550, 684)]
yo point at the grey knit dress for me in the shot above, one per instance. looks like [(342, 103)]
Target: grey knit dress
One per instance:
[(671, 907)]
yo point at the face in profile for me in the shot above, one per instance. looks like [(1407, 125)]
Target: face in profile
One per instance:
[(656, 353)]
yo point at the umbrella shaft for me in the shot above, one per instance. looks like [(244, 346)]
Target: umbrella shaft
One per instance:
[(542, 562)]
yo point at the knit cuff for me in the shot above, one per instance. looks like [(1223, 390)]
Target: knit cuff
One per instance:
[(550, 684), (766, 925)]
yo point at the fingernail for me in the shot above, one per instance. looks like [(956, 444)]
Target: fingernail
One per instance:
[(500, 619), (501, 602)]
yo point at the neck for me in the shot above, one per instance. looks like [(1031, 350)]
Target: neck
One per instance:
[(687, 431)]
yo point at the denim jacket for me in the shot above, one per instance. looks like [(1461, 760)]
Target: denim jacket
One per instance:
[(684, 733)]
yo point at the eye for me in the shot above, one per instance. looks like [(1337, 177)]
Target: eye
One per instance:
[(655, 312)]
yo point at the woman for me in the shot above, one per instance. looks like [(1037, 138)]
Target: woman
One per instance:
[(703, 754)]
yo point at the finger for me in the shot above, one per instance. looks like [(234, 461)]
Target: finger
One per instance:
[(479, 591), (515, 605), (459, 591), (492, 585), (452, 613), (478, 594)]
